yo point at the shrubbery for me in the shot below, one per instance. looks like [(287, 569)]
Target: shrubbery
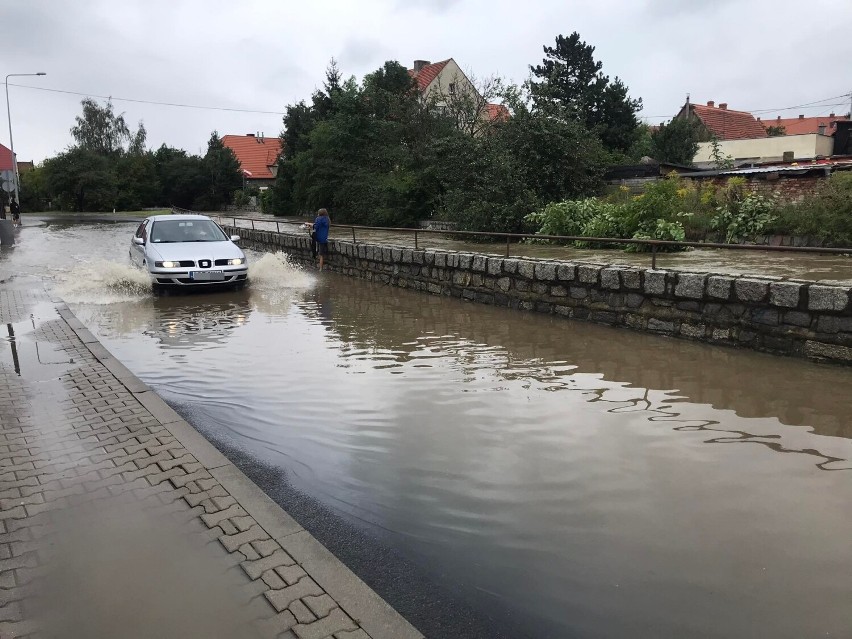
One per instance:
[(826, 217), (670, 209)]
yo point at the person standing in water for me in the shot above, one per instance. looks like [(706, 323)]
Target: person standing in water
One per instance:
[(321, 225)]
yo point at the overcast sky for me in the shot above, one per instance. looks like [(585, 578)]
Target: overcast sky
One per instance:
[(264, 54)]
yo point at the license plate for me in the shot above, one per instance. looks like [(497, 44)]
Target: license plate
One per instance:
[(207, 276)]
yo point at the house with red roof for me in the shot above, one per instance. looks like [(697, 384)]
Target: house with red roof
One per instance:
[(823, 124), (6, 161), (743, 138), (446, 84), (722, 123), (257, 155)]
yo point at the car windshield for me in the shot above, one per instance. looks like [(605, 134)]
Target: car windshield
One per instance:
[(165, 231)]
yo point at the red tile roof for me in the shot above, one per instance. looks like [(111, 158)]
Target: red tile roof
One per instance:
[(255, 154), (6, 163), (727, 124), (802, 126), (427, 74), (496, 112)]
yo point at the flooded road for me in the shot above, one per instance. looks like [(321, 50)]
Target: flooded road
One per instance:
[(572, 479)]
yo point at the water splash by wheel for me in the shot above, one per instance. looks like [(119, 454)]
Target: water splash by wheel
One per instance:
[(103, 282)]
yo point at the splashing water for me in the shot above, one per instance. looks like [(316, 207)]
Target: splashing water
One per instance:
[(275, 271), (103, 282)]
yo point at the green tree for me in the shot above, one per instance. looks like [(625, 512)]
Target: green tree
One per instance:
[(100, 130), (137, 182), (180, 176), (81, 180), (774, 131), (570, 83), (222, 174), (34, 195), (721, 160), (675, 142)]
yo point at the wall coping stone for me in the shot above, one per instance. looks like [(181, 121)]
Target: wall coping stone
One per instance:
[(827, 298)]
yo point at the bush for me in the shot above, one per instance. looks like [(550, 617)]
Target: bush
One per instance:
[(653, 215), (743, 215), (827, 216)]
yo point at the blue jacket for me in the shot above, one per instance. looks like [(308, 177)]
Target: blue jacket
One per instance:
[(321, 229)]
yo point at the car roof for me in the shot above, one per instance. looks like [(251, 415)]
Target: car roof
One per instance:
[(158, 218)]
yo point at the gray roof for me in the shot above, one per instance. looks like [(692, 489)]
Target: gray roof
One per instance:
[(800, 169)]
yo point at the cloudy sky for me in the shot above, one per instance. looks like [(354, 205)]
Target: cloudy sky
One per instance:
[(264, 54)]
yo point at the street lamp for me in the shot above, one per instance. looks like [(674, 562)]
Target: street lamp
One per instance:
[(9, 114)]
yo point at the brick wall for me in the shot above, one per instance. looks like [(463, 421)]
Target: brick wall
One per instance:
[(789, 188)]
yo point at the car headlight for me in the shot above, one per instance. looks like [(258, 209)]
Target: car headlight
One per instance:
[(237, 261), (167, 264)]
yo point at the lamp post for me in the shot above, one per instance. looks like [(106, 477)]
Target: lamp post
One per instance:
[(9, 115)]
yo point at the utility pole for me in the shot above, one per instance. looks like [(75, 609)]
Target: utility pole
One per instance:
[(11, 141)]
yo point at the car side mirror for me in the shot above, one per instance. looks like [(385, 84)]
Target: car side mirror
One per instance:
[(139, 241), (235, 238)]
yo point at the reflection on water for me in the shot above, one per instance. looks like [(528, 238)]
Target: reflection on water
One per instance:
[(589, 481)]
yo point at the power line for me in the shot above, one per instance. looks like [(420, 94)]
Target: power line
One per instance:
[(816, 104), (809, 105), (171, 104)]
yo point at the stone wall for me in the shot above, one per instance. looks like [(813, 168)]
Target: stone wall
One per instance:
[(766, 314), (790, 188)]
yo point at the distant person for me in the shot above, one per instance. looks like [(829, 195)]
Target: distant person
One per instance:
[(321, 225), (3, 210), (15, 210)]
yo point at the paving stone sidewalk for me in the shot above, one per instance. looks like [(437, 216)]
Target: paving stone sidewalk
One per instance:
[(119, 519)]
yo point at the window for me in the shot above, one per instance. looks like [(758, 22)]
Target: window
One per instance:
[(142, 231), (452, 88), (199, 230)]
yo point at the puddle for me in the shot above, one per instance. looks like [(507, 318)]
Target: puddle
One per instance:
[(34, 358)]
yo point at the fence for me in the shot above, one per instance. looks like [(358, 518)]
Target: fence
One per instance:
[(653, 245)]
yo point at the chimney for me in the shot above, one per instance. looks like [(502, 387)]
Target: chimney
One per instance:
[(831, 115), (723, 106), (758, 118), (778, 118), (249, 135), (710, 103), (801, 117), (419, 64)]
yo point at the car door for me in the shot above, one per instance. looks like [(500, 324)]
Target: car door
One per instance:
[(137, 251)]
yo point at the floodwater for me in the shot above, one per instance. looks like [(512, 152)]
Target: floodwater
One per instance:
[(804, 266), (573, 480)]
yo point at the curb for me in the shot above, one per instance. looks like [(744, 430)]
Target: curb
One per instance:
[(356, 598)]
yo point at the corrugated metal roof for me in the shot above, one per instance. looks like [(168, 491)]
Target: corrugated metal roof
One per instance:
[(792, 169)]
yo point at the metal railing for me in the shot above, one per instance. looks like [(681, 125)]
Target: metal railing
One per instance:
[(654, 245)]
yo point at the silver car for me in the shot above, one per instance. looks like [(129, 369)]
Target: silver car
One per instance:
[(188, 251)]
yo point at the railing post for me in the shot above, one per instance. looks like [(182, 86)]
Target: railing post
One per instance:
[(277, 227), (415, 239), (507, 246), (353, 235), (252, 224), (235, 222), (654, 256)]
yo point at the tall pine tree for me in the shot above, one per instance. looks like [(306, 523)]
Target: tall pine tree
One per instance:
[(571, 84)]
